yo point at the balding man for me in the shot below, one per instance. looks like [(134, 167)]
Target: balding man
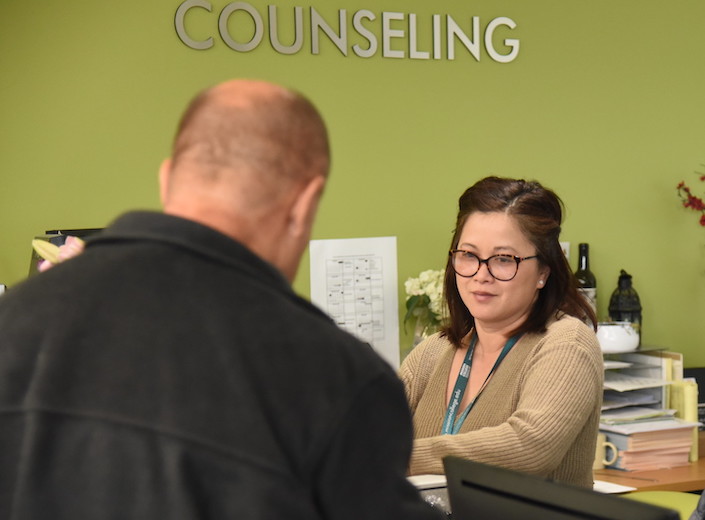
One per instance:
[(170, 372)]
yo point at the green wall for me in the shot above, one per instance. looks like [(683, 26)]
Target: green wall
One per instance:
[(604, 104)]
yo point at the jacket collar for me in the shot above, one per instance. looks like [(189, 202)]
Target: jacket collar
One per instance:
[(152, 226)]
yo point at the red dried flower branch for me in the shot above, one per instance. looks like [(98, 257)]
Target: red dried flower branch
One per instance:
[(692, 201)]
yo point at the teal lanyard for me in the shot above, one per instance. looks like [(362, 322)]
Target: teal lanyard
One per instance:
[(451, 425)]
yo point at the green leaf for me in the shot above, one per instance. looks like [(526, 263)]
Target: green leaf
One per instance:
[(417, 307), (411, 304)]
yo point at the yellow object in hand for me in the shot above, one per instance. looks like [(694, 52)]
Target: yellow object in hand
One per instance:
[(47, 250)]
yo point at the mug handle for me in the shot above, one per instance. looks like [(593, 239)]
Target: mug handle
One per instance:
[(615, 454)]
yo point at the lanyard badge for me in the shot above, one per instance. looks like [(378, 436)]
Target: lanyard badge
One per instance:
[(451, 425)]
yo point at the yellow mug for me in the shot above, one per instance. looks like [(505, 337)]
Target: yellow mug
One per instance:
[(602, 449)]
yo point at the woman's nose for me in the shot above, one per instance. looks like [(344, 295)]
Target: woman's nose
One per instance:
[(484, 274)]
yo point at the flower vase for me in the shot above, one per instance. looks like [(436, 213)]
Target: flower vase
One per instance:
[(421, 332)]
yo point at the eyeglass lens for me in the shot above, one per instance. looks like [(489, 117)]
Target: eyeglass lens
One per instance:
[(502, 267)]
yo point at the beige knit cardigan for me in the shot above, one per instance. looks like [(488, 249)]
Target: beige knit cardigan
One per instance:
[(538, 414)]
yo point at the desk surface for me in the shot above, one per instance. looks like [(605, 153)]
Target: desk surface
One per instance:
[(683, 478)]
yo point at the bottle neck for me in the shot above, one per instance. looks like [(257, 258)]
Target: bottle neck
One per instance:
[(583, 258)]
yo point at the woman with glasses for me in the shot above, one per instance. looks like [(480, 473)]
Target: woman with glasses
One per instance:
[(515, 378)]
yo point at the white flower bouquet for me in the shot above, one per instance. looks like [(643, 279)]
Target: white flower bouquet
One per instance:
[(424, 302)]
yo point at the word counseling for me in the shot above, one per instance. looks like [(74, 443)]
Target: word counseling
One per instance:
[(242, 27)]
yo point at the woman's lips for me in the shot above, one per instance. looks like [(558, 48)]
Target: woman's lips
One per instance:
[(482, 296)]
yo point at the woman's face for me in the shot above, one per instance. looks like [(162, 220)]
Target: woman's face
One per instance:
[(497, 305)]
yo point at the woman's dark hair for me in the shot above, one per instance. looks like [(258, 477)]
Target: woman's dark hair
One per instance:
[(538, 212)]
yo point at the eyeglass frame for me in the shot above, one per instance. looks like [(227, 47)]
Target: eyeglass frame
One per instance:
[(486, 261)]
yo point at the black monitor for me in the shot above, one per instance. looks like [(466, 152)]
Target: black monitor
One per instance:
[(479, 491)]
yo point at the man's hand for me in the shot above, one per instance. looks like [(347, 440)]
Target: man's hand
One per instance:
[(72, 247)]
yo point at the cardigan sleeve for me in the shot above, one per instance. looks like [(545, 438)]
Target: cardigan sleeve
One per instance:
[(417, 368), (559, 388)]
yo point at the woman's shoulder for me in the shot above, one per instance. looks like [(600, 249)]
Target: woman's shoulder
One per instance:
[(418, 368), (428, 352), (569, 328), (566, 322)]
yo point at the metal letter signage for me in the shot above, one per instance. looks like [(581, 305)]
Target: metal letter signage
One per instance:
[(401, 35)]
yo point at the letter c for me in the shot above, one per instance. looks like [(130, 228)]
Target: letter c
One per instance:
[(181, 29)]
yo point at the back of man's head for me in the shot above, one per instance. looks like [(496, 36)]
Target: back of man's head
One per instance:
[(244, 154), (256, 137)]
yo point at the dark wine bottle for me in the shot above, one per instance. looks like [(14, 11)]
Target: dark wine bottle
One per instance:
[(587, 284)]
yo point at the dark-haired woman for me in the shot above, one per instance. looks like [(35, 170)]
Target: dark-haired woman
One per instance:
[(515, 379)]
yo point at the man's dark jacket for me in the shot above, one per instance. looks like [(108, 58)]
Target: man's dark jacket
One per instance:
[(169, 373)]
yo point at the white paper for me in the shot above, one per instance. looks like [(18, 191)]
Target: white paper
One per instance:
[(613, 399), (611, 364), (634, 413), (608, 487), (622, 382), (647, 426), (354, 280), (427, 481)]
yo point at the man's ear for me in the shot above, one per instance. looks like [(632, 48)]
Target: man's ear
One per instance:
[(304, 209), (164, 174)]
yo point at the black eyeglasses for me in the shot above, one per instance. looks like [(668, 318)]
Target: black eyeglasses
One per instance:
[(501, 267)]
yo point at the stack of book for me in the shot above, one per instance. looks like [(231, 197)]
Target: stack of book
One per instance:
[(649, 411), (656, 440)]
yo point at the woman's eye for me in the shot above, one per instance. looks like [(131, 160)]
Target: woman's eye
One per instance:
[(504, 259)]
